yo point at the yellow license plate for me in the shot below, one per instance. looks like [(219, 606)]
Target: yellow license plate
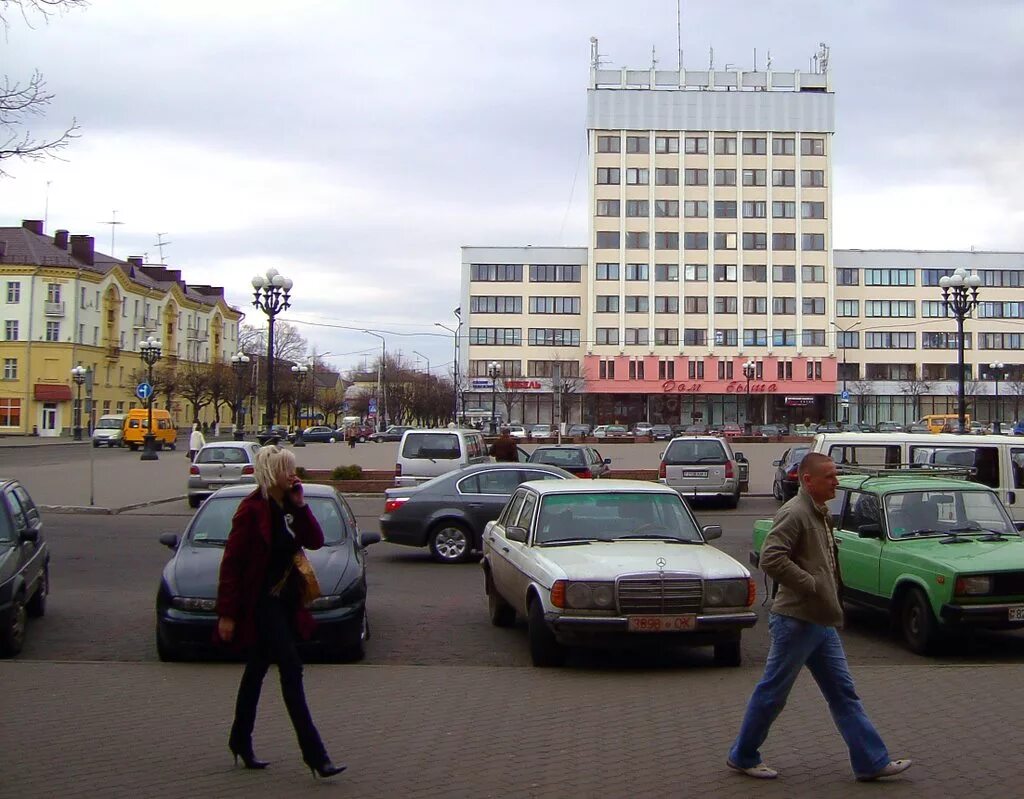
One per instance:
[(662, 624)]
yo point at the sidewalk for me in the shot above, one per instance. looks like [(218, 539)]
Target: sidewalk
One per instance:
[(17, 442), (160, 730)]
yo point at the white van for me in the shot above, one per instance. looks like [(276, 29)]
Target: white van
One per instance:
[(109, 430), (996, 461), (423, 454)]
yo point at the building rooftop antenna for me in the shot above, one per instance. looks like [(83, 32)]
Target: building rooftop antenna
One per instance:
[(679, 36), (160, 244), (596, 59), (113, 227)]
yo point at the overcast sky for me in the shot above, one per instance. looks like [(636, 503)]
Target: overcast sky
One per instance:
[(356, 145)]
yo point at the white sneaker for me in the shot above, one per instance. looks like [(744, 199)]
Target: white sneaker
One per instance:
[(893, 768), (758, 772)]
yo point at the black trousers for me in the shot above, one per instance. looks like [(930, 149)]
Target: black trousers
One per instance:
[(276, 644)]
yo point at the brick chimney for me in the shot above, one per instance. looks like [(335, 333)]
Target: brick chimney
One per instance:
[(33, 225), (83, 249), (60, 240)]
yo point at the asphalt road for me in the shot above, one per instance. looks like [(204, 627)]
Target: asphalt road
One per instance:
[(105, 571)]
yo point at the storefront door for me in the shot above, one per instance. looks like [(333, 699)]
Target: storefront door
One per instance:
[(49, 421)]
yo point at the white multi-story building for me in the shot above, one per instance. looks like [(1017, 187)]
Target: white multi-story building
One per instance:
[(711, 250)]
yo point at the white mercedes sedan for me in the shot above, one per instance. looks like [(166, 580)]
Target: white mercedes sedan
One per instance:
[(609, 563)]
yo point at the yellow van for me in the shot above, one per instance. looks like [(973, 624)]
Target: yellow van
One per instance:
[(944, 422), (137, 422)]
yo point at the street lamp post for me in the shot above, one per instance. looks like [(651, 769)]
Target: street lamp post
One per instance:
[(272, 295), (960, 296), (149, 350), (749, 371), (997, 371), (494, 372), (78, 375), (381, 399), (240, 366), (299, 373), (844, 331), (455, 369)]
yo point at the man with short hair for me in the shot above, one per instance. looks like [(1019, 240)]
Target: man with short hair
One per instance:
[(800, 555), (504, 449)]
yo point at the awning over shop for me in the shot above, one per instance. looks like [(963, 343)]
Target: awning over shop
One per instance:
[(52, 392)]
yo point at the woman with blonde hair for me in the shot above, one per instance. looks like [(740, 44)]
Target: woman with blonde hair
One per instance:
[(258, 603)]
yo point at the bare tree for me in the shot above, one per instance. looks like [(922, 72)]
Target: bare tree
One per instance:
[(222, 387), (21, 100), (566, 380), (861, 389), (915, 387), (1016, 388), (194, 386), (509, 395), (289, 343), (331, 404)]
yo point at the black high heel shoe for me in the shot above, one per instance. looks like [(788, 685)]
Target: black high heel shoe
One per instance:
[(325, 769), (248, 758)]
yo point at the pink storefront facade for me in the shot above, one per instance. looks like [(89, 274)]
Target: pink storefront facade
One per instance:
[(710, 390)]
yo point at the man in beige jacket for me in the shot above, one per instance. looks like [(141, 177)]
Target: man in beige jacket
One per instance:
[(800, 555)]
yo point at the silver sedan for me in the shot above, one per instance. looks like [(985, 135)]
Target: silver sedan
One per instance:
[(223, 463)]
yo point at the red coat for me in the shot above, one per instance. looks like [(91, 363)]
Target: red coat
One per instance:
[(243, 569)]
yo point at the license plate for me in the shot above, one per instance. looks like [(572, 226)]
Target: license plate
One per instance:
[(1017, 614), (662, 624), (702, 473)]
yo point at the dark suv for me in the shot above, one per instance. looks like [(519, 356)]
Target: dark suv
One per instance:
[(24, 565)]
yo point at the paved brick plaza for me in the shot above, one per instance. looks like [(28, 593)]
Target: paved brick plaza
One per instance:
[(155, 730)]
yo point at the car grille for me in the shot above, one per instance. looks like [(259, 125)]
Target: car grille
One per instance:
[(1007, 583), (659, 593)]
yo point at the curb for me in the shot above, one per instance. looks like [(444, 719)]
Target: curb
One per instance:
[(20, 445), (97, 510)]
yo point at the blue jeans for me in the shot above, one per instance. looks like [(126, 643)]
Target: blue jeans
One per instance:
[(796, 643)]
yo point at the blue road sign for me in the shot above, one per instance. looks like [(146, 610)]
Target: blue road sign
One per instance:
[(143, 391), (371, 406), (845, 396)]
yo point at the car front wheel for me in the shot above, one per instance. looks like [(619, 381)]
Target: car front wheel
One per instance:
[(545, 651), (728, 653), (451, 542), (352, 647), (12, 636), (165, 651), (194, 502), (919, 625)]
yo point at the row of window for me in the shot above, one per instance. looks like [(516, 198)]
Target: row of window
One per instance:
[(641, 240), (609, 303), (513, 305), (513, 273), (698, 273), (698, 209), (513, 368), (669, 176), (12, 330), (724, 145)]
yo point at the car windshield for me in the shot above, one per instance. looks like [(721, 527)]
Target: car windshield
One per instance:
[(950, 512), (614, 517), (110, 424), (558, 457), (796, 455), (222, 455), (213, 521), (681, 452), (615, 428)]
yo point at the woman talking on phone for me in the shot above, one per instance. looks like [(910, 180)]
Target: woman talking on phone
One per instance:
[(259, 607)]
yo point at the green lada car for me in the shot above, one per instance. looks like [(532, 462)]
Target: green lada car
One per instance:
[(938, 554)]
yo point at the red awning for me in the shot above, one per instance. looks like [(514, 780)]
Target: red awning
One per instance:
[(52, 392)]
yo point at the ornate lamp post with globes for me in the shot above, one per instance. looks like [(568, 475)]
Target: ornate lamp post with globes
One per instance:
[(78, 374), (299, 372), (272, 295), (749, 371), (960, 297), (997, 371), (494, 372), (240, 366), (149, 350)]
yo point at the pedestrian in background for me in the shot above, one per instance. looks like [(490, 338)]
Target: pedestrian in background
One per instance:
[(504, 449), (196, 441), (800, 555), (258, 603)]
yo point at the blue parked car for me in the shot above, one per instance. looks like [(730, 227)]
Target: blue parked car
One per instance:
[(1018, 428)]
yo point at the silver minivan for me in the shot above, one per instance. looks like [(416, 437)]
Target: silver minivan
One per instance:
[(109, 430), (704, 466), (423, 454)]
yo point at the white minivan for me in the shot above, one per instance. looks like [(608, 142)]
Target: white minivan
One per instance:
[(995, 461), (109, 430), (423, 454)]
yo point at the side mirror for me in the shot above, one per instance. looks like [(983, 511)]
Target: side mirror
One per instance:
[(517, 534), (608, 461), (711, 532), (870, 531), (29, 534), (169, 540), (740, 457), (1019, 526), (661, 455), (366, 539), (776, 463)]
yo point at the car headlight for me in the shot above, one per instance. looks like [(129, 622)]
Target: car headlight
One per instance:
[(194, 604), (590, 596), (974, 585), (326, 602), (727, 593)]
